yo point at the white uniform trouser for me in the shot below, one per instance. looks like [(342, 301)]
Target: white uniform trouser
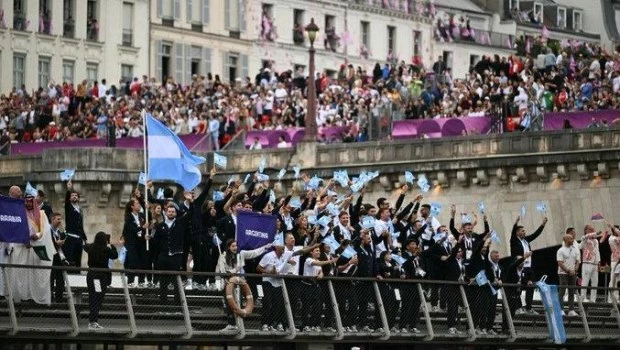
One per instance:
[(613, 281), (589, 273)]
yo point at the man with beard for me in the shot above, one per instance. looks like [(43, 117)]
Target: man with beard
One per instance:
[(31, 284), (74, 218)]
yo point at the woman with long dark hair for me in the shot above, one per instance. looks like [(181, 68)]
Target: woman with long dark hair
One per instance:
[(232, 261), (99, 253), (135, 242)]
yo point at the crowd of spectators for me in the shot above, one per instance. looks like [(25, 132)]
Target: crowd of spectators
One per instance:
[(564, 77)]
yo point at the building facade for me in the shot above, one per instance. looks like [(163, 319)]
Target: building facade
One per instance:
[(43, 41)]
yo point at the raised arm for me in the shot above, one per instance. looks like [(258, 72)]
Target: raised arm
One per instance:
[(538, 231)]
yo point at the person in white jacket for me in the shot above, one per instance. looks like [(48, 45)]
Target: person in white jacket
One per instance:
[(233, 261)]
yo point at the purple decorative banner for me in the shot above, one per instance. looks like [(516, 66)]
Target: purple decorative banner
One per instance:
[(126, 142), (579, 120), (13, 221), (254, 230)]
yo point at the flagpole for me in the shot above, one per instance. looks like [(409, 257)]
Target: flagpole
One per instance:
[(146, 178)]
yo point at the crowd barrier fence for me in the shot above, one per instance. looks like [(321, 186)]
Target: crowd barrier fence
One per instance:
[(186, 305)]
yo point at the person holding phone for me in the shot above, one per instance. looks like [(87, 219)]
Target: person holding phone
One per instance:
[(99, 253)]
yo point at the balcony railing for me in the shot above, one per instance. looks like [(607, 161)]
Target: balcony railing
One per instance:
[(298, 37), (92, 30), (20, 22), (329, 309), (69, 29), (475, 36), (127, 37)]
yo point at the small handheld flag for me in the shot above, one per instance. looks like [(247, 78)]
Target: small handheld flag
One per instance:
[(281, 174), (218, 196), (435, 209), (160, 193), (495, 237), (481, 207), (409, 177), (142, 179), (523, 210), (220, 160), (31, 191), (296, 169), (262, 164), (541, 207), (67, 174)]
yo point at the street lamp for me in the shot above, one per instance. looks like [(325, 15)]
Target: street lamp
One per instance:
[(310, 122)]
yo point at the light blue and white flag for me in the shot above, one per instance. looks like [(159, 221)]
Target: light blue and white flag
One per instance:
[(169, 158), (523, 210), (67, 174), (399, 259), (331, 242), (553, 308), (142, 178), (438, 236), (272, 196), (356, 187), (466, 219), (423, 183), (216, 240), (262, 177), (314, 183), (409, 177), (247, 177), (220, 160), (312, 219), (160, 193), (278, 240), (495, 237), (541, 207), (218, 196), (349, 252), (31, 191), (342, 177), (333, 209), (324, 220), (435, 209), (281, 174), (295, 202), (481, 207), (262, 164), (368, 222), (297, 169), (481, 278)]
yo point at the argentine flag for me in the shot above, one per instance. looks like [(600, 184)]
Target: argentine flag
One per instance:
[(169, 159)]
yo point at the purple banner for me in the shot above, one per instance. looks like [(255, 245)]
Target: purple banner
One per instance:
[(254, 230), (13, 221), (579, 120), (434, 128), (126, 142)]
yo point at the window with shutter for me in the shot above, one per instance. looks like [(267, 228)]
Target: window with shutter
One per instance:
[(188, 64), (177, 10), (160, 8), (188, 10), (159, 60), (205, 12), (227, 14), (245, 72), (207, 60), (242, 19), (225, 78), (178, 63)]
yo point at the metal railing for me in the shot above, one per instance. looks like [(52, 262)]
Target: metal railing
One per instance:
[(293, 307)]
